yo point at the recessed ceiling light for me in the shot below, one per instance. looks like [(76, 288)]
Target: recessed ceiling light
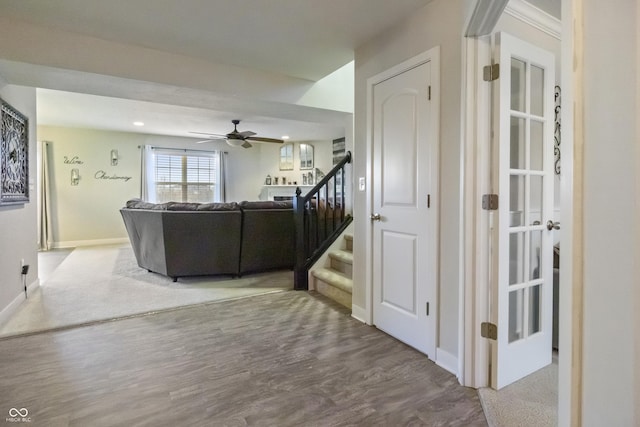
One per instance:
[(138, 123), (285, 137)]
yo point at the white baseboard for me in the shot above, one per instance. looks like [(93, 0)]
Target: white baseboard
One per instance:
[(447, 361), (79, 243), (13, 306), (358, 313)]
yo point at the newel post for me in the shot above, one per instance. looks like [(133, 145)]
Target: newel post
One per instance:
[(300, 274)]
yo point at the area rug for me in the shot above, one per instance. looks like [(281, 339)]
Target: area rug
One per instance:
[(530, 402), (95, 284)]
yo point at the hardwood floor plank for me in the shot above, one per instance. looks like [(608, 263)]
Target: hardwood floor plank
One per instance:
[(284, 359)]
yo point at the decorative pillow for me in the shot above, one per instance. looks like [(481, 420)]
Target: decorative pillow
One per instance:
[(140, 204), (131, 204), (160, 207)]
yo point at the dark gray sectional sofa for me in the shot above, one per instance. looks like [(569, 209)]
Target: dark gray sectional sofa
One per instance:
[(195, 239)]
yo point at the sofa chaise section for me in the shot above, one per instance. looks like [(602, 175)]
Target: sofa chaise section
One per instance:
[(185, 239), (268, 236)]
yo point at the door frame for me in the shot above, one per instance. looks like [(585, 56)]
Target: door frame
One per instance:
[(432, 55), (474, 234), (474, 351)]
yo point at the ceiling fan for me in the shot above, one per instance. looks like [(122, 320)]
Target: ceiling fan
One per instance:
[(238, 139)]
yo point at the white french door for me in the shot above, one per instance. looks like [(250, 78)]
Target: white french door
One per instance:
[(522, 295)]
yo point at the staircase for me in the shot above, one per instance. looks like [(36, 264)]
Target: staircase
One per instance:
[(335, 279)]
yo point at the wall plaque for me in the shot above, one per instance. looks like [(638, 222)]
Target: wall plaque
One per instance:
[(14, 155)]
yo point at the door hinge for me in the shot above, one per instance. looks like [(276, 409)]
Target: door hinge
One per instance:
[(427, 308), (490, 202), (488, 330), (428, 200), (429, 97), (491, 72)]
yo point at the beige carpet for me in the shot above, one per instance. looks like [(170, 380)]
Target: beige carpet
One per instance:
[(100, 283), (530, 402)]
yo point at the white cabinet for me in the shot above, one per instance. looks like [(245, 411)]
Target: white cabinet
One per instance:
[(271, 192)]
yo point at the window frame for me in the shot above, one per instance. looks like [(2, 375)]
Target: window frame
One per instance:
[(184, 184)]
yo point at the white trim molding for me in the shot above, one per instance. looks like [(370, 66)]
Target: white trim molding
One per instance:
[(447, 361), (14, 305), (96, 242), (527, 13), (359, 313)]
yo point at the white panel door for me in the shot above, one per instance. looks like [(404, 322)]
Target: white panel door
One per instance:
[(523, 291), (403, 220)]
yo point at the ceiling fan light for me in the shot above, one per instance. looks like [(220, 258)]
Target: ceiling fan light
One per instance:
[(235, 142)]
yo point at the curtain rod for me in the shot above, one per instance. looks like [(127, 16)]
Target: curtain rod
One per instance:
[(181, 149)]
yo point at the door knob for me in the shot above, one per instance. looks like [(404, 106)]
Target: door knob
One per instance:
[(553, 225), (375, 217)]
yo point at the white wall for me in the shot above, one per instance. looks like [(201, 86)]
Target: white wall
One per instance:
[(18, 229), (270, 160), (89, 212), (218, 86), (611, 213), (439, 23)]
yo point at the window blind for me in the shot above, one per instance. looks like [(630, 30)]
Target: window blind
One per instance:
[(185, 176)]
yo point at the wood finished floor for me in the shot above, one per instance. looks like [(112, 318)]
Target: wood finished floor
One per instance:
[(285, 359)]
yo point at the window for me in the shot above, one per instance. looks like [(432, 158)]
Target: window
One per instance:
[(187, 176)]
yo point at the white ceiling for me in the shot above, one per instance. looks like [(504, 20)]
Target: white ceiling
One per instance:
[(68, 109), (302, 38), (306, 39)]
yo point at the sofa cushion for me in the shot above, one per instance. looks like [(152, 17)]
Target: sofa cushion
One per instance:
[(267, 204), (182, 206), (229, 206), (141, 204)]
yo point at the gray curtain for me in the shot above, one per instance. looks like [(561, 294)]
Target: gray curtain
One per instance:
[(44, 213), (222, 179)]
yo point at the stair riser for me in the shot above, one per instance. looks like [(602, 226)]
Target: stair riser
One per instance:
[(349, 245), (338, 295), (342, 267)]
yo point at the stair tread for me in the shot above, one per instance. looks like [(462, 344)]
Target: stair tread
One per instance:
[(334, 278), (343, 255)]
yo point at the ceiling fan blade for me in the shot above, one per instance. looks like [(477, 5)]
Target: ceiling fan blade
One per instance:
[(246, 145), (246, 133), (206, 140), (210, 134), (258, 139)]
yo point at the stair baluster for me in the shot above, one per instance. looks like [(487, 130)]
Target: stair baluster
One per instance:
[(314, 231)]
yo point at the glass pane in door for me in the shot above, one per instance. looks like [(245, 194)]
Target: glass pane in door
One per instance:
[(516, 258), (536, 143), (518, 140), (516, 315), (535, 199), (537, 90), (535, 303), (518, 86), (516, 200), (535, 248)]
